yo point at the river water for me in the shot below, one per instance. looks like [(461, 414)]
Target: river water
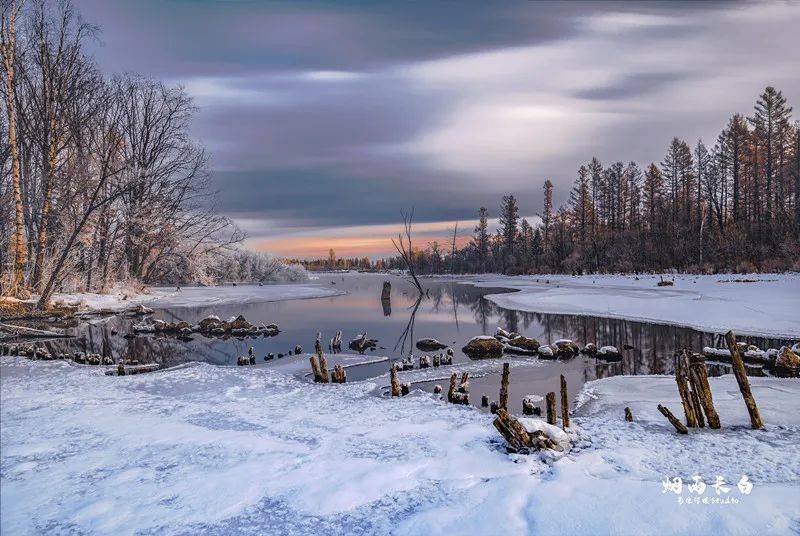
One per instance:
[(452, 312)]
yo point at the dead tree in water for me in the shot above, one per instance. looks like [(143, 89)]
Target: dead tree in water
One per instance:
[(744, 384), (405, 249)]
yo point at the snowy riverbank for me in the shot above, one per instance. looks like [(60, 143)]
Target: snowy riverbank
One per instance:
[(768, 307), (253, 450), (165, 297)]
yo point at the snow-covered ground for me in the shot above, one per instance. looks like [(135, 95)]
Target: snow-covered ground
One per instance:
[(198, 296), (230, 450), (716, 303)]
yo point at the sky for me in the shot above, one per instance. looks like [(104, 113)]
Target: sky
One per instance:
[(326, 119)]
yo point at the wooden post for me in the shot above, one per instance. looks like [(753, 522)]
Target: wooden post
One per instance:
[(493, 407), (671, 418), (527, 406), (504, 388), (699, 378), (564, 403), (682, 379), (744, 384), (339, 374), (698, 409), (396, 390), (120, 370), (452, 391), (323, 368), (405, 389), (318, 344), (464, 386), (551, 407), (628, 415), (437, 389), (315, 369), (484, 401)]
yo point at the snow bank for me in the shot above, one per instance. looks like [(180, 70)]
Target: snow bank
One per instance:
[(716, 303), (232, 450), (168, 297)]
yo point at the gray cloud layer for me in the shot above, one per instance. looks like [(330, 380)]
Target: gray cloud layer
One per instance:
[(325, 114)]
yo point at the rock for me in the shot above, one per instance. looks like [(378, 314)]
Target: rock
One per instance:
[(361, 343), (144, 327), (483, 347), (298, 349), (522, 346), (787, 359), (589, 349), (500, 332), (209, 323), (565, 349), (239, 323), (429, 345), (138, 310), (546, 352), (609, 353)]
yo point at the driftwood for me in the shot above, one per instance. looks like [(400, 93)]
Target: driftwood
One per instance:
[(699, 379), (339, 374), (122, 370), (744, 383), (518, 439), (504, 387), (22, 331), (682, 379), (628, 414), (564, 403), (396, 389), (679, 426), (551, 407)]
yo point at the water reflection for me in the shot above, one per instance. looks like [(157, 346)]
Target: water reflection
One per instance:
[(451, 312)]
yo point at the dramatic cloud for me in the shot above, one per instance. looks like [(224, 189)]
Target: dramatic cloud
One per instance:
[(325, 119)]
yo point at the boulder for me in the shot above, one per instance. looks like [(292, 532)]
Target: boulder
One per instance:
[(565, 349), (609, 353), (525, 343), (546, 352), (429, 345), (483, 347), (209, 323), (787, 359), (589, 349), (239, 323)]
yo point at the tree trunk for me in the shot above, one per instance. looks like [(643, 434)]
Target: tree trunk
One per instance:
[(671, 418), (504, 388), (682, 378), (564, 403), (551, 407), (744, 384), (699, 378)]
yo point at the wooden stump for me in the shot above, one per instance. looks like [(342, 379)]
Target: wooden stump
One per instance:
[(551, 407), (699, 379), (120, 370), (464, 385), (437, 389), (628, 415), (527, 407), (315, 369), (339, 374), (504, 387), (484, 401), (682, 379), (405, 388), (493, 407), (512, 431), (452, 391), (744, 383), (396, 389), (323, 368), (564, 403), (679, 426)]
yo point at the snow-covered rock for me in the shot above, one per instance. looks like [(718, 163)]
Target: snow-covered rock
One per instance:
[(482, 347)]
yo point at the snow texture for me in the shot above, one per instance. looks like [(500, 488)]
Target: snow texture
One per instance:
[(255, 450), (716, 303), (170, 297)]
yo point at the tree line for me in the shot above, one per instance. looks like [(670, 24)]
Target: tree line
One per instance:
[(731, 206), (100, 179)]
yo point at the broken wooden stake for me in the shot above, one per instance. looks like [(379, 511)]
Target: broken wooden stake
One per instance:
[(396, 389), (744, 384), (564, 403), (551, 407), (315, 370), (484, 401), (339, 374), (437, 389), (504, 387), (628, 414), (679, 426), (699, 378)]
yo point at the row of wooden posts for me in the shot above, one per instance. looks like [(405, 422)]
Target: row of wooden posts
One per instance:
[(695, 392)]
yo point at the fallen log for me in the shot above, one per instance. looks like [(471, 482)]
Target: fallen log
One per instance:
[(512, 431), (122, 370), (679, 426), (744, 383), (22, 331)]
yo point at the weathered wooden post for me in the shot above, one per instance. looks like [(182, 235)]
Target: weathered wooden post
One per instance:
[(452, 391), (682, 379), (564, 403), (318, 344), (551, 407), (405, 388), (396, 390), (504, 387), (315, 369), (437, 389), (339, 374), (744, 384), (484, 401), (120, 370), (628, 414), (671, 418), (386, 293), (699, 379), (323, 368), (512, 430)]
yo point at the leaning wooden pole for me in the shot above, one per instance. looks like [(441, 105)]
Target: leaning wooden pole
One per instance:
[(699, 378), (504, 388), (564, 403), (744, 384), (671, 418), (551, 407), (682, 379)]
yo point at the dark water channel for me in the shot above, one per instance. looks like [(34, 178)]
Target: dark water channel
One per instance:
[(451, 312)]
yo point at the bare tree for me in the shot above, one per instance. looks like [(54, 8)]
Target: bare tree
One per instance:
[(405, 249)]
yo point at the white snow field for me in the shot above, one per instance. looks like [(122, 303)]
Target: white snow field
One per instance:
[(202, 449), (198, 296), (768, 307)]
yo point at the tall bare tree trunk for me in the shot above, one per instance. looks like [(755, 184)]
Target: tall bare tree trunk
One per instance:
[(49, 180), (19, 248)]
